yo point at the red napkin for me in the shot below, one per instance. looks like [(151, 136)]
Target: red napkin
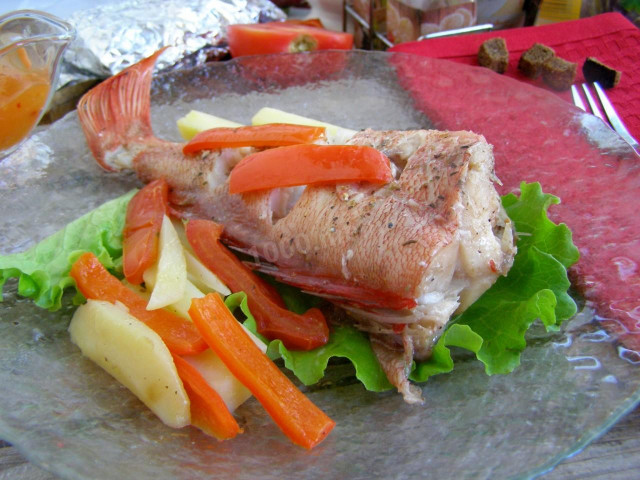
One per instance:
[(609, 37)]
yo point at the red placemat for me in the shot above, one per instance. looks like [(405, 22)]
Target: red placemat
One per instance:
[(610, 37)]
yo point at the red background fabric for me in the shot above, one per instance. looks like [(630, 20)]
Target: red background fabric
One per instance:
[(610, 37)]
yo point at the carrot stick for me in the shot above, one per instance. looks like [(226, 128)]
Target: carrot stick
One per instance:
[(299, 419), (208, 411), (95, 282)]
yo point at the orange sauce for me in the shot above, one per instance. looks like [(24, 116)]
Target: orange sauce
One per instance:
[(23, 93)]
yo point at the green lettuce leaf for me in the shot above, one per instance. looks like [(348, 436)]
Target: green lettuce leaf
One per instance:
[(43, 270)]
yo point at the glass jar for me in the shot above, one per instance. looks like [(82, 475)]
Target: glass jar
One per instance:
[(31, 47), (409, 19)]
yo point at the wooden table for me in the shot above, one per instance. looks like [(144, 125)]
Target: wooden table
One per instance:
[(615, 456)]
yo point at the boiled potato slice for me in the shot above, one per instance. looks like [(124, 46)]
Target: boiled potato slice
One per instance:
[(202, 277), (219, 377), (138, 289), (197, 273), (135, 355), (171, 269), (335, 135), (178, 225), (195, 122), (182, 306)]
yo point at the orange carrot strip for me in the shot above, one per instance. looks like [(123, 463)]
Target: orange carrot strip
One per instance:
[(270, 135), (299, 419), (95, 282), (208, 411)]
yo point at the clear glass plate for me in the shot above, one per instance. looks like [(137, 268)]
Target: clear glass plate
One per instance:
[(67, 416)]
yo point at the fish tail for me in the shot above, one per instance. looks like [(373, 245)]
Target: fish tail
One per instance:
[(118, 110)]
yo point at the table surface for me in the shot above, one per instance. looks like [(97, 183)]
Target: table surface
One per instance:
[(614, 456)]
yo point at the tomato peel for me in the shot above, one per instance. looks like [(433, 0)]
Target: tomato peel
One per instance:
[(270, 135), (142, 229), (297, 332), (283, 37), (309, 165)]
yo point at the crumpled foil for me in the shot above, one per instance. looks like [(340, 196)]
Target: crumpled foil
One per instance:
[(112, 37)]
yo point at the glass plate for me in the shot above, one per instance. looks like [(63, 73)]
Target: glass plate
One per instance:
[(67, 416)]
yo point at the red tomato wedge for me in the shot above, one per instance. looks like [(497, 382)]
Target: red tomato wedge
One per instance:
[(309, 165), (283, 37), (297, 332), (310, 22), (302, 421), (270, 135), (208, 411), (95, 282), (142, 228)]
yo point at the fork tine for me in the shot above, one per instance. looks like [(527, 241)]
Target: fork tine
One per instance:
[(592, 103), (613, 117), (577, 99)]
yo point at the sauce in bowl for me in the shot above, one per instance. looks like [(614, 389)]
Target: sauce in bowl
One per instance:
[(24, 90)]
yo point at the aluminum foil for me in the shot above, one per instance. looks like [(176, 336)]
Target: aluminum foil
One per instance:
[(114, 36)]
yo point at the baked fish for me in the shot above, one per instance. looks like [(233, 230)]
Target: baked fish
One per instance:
[(400, 258)]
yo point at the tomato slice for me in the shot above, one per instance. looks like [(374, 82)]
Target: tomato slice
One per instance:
[(309, 165), (142, 229), (283, 37), (270, 135), (310, 22), (95, 282), (297, 332)]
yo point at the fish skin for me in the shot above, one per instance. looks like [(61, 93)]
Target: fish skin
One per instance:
[(437, 235)]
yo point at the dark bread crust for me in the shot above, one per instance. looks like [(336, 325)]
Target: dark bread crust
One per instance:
[(493, 54), (596, 71), (558, 73), (531, 61)]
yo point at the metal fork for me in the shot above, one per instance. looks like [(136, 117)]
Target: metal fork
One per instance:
[(612, 118)]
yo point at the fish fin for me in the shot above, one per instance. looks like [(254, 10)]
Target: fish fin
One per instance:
[(336, 289), (396, 364), (118, 110)]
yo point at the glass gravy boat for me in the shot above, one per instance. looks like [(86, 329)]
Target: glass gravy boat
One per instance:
[(31, 47)]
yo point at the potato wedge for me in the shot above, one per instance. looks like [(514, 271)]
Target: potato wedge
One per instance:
[(203, 278), (335, 134), (181, 307), (171, 269), (195, 122), (135, 355)]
